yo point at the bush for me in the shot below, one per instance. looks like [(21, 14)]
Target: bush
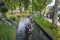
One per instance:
[(6, 32), (15, 18)]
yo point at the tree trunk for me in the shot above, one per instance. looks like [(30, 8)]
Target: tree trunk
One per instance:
[(43, 13), (55, 15), (43, 17)]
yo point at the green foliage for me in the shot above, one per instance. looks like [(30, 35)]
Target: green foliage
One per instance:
[(6, 31), (2, 7), (36, 5), (39, 5), (13, 4), (4, 10), (15, 18), (26, 3), (10, 4), (8, 13)]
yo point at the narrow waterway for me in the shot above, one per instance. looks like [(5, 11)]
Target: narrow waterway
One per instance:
[(20, 35)]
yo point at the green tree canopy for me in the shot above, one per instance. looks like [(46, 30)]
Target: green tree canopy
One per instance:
[(39, 5)]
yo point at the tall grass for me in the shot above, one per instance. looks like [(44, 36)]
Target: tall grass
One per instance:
[(7, 32)]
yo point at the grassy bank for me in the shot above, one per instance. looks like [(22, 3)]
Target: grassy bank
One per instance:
[(7, 32), (46, 26), (14, 17)]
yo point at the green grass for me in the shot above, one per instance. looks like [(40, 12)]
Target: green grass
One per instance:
[(7, 32), (46, 26)]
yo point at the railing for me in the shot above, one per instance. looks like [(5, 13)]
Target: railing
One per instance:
[(43, 34)]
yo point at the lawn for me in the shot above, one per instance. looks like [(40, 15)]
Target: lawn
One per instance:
[(7, 32), (46, 26)]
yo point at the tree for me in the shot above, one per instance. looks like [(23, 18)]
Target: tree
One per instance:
[(2, 8), (41, 5), (55, 15)]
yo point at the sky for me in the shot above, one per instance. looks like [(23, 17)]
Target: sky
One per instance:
[(52, 3)]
